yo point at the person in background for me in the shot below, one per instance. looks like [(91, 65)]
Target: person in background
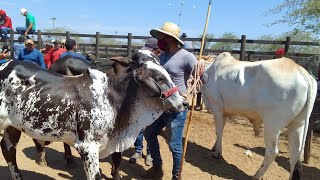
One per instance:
[(30, 27), (150, 45), (47, 51), (6, 26), (31, 55), (179, 64), (187, 44), (280, 52), (18, 46), (62, 44), (55, 53), (71, 47)]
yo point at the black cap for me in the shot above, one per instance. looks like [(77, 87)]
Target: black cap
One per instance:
[(70, 43), (151, 44), (184, 35), (21, 38)]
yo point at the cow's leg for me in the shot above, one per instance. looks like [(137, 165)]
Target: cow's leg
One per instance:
[(89, 152), (40, 146), (295, 140), (220, 122), (9, 142), (68, 155), (116, 160), (271, 134)]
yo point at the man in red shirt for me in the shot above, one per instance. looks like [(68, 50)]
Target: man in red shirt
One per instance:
[(55, 53), (5, 25), (47, 51)]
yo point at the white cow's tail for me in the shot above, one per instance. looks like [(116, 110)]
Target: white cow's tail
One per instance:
[(311, 96)]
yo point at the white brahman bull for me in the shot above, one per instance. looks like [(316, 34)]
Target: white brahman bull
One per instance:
[(278, 93)]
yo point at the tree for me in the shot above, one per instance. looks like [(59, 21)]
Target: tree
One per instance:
[(197, 44), (302, 36), (302, 14), (295, 35), (62, 30), (226, 45)]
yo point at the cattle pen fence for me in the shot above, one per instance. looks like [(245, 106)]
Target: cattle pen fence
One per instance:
[(103, 50), (125, 46)]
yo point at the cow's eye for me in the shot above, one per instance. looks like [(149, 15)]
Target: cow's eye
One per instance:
[(160, 79)]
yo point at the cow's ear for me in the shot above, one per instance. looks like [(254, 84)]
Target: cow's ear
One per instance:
[(150, 86), (137, 58)]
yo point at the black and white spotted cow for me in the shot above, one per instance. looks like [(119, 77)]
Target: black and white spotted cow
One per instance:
[(96, 113), (112, 66)]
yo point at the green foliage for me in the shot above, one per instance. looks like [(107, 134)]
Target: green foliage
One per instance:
[(62, 30), (295, 35), (302, 14), (225, 45)]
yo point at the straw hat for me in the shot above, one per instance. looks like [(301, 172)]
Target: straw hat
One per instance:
[(169, 29)]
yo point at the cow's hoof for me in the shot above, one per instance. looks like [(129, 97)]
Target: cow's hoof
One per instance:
[(42, 162), (116, 176), (217, 155)]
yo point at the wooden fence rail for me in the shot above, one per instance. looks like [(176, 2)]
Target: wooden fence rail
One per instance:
[(105, 50)]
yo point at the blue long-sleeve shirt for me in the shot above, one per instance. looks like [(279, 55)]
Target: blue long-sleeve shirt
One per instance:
[(18, 47), (33, 56), (75, 55)]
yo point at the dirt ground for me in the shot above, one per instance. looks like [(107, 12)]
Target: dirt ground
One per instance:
[(238, 137)]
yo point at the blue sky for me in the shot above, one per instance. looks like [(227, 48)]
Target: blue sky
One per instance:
[(140, 16)]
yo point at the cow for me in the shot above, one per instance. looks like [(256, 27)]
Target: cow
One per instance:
[(95, 113), (72, 66), (278, 93)]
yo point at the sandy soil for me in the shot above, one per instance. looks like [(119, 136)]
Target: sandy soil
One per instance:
[(238, 137)]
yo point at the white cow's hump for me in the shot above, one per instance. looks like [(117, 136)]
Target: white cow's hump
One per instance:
[(223, 55)]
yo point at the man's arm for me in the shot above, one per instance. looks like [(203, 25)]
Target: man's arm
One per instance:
[(41, 61), (30, 27), (7, 23)]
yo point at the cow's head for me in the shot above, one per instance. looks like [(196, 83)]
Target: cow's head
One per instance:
[(156, 81)]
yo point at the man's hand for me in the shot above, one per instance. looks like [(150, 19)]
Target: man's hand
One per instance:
[(26, 33), (202, 68), (4, 54)]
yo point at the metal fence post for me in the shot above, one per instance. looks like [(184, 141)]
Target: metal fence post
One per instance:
[(129, 44), (243, 48), (97, 44)]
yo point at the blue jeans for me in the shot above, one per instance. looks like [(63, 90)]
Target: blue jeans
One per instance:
[(174, 122), (138, 144), (4, 31), (22, 30)]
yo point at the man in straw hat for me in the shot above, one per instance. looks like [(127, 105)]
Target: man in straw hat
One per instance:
[(179, 64), (31, 55)]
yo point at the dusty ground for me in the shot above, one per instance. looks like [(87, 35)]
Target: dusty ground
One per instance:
[(238, 137)]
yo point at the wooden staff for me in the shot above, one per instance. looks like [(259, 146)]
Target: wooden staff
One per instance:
[(193, 97)]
